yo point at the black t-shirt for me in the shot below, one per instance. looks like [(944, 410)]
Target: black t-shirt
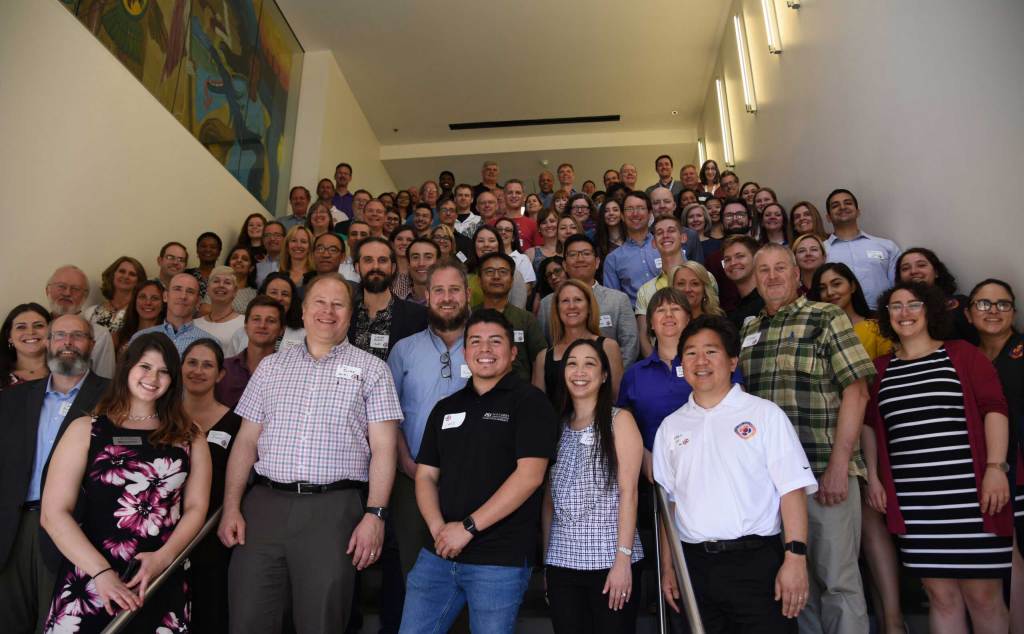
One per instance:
[(475, 440), (1010, 366), (749, 306)]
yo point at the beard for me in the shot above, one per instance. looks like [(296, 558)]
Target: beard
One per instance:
[(379, 282), (67, 367), (737, 231), (447, 324)]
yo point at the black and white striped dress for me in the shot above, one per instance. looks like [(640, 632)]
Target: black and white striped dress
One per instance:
[(922, 404)]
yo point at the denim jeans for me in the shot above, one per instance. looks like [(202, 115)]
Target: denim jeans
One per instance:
[(437, 589)]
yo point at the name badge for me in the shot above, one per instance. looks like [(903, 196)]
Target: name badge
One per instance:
[(750, 340), (606, 321), (217, 437), (876, 255), (679, 440), (348, 372), (465, 372), (657, 263), (462, 257), (587, 438), (126, 441), (379, 341), (65, 407), (679, 371), (451, 421), (518, 336)]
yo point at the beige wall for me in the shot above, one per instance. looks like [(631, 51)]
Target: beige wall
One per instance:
[(332, 128), (92, 166), (915, 106)]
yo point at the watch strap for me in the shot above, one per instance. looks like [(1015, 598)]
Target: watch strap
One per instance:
[(795, 547), (380, 512), (470, 525)]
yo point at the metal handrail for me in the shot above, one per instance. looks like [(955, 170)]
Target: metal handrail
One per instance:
[(662, 508), (121, 620)]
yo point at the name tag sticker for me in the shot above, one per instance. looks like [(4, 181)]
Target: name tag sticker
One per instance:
[(518, 337), (127, 441), (65, 407), (348, 372), (217, 437), (587, 438), (750, 340), (451, 421), (679, 371), (465, 372), (657, 263), (379, 341), (680, 440), (462, 257), (606, 321), (876, 255)]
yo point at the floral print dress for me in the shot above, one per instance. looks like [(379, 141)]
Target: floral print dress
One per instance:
[(131, 501)]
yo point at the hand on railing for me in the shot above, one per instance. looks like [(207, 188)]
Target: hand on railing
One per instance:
[(151, 565), (114, 594), (669, 589)]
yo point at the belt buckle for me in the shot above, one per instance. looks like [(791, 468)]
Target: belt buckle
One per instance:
[(304, 488), (713, 547)]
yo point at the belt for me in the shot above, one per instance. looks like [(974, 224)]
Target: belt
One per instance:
[(31, 506), (307, 488), (748, 542)]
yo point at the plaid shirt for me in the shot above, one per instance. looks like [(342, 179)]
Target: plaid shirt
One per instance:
[(365, 327), (802, 358), (314, 413)]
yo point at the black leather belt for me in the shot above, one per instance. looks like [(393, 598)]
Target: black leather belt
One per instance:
[(34, 505), (749, 542), (308, 488)]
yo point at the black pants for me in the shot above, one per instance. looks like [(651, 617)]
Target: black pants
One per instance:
[(578, 607), (736, 590)]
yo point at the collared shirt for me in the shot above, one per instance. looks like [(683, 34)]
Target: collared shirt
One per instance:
[(727, 467), (344, 202), (652, 391), (348, 270), (749, 306), (546, 199), (290, 221), (527, 337), (265, 267), (314, 413), (616, 320), (628, 267), (56, 406), (802, 358), (872, 259), (467, 226), (372, 334), (421, 381), (229, 390), (647, 291), (181, 337)]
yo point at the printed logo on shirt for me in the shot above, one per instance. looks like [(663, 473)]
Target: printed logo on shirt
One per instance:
[(498, 416), (1017, 352), (745, 430)]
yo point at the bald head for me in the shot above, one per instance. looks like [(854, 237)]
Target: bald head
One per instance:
[(67, 290)]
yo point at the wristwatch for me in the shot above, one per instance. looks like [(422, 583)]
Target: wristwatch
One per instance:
[(1002, 466), (626, 551), (795, 547), (470, 525), (380, 512)]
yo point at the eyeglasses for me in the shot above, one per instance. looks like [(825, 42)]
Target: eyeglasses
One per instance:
[(75, 335), (174, 258), (553, 273), (493, 272), (446, 365), (734, 214), (67, 288), (985, 305), (632, 209), (580, 208), (268, 234), (911, 307), (442, 239), (322, 249), (583, 253)]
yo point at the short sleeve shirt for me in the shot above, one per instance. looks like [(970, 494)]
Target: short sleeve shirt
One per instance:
[(476, 440), (314, 413), (802, 358)]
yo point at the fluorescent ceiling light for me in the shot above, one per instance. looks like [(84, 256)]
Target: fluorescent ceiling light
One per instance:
[(771, 26), (723, 119), (702, 151), (741, 49)]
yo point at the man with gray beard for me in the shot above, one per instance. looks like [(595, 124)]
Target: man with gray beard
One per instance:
[(67, 289), (33, 416)]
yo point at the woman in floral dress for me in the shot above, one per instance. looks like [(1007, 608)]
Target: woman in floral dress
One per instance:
[(144, 472)]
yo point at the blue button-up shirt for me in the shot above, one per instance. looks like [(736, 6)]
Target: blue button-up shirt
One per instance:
[(55, 407), (652, 391), (265, 267), (631, 265), (181, 337), (416, 366), (872, 260)]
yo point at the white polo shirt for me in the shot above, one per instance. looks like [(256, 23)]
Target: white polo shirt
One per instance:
[(726, 468)]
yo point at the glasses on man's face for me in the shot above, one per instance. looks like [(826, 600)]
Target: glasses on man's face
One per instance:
[(67, 288), (174, 258), (639, 209), (582, 253), (446, 365), (733, 215), (322, 249), (985, 305), (496, 272), (910, 307), (267, 235), (74, 335)]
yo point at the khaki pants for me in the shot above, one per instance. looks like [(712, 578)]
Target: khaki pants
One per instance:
[(836, 603), (26, 584)]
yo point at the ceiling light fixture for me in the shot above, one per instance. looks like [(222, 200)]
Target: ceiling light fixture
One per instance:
[(793, 4), (723, 119), (745, 72), (771, 26), (702, 151)]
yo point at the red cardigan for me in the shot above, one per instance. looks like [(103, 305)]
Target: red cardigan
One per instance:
[(983, 394)]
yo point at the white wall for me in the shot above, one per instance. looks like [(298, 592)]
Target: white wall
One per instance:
[(916, 106), (92, 165), (332, 128)]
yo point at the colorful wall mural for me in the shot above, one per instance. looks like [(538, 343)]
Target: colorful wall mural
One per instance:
[(228, 70)]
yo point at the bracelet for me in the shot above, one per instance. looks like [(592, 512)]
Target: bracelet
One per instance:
[(102, 571)]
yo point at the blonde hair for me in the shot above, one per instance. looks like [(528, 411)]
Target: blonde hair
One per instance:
[(593, 313), (709, 305), (285, 264)]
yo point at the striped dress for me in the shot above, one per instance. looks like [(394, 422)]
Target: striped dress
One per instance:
[(922, 404)]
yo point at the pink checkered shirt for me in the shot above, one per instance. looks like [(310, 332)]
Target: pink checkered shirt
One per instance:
[(314, 413)]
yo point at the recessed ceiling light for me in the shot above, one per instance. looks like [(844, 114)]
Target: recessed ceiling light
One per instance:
[(675, 112)]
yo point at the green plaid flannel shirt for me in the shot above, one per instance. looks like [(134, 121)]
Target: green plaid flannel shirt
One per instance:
[(802, 358)]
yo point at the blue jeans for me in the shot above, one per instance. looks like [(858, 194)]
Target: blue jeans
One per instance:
[(437, 589)]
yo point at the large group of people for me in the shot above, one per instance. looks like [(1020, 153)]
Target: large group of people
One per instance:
[(463, 384)]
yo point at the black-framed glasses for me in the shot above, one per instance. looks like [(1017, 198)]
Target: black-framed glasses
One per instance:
[(985, 305), (446, 365)]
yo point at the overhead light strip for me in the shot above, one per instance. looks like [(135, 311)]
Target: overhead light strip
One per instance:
[(723, 118), (748, 81), (702, 151), (771, 26)]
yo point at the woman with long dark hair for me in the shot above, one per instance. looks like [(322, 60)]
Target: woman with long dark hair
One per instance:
[(550, 276), (611, 233), (591, 545), (919, 264), (143, 472), (241, 261), (146, 309), (251, 236), (710, 176), (23, 342)]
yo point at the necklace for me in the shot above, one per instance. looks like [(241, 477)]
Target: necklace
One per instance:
[(137, 419), (223, 318)]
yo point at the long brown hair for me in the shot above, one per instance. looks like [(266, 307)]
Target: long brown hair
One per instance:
[(175, 427)]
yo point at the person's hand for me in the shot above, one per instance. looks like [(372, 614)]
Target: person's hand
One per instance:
[(876, 494), (791, 585), (114, 594), (151, 565), (231, 530), (619, 584), (995, 491), (366, 540), (834, 485), (669, 588), (450, 541)]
